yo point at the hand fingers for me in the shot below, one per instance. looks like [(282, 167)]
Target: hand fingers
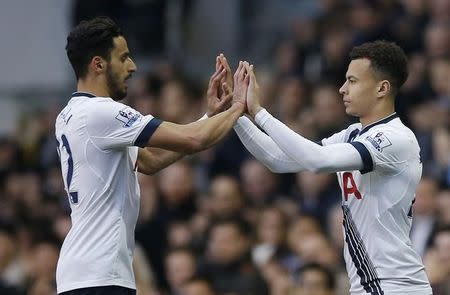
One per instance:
[(236, 74), (218, 62), (216, 81), (216, 73), (225, 99), (224, 62), (247, 78), (243, 71), (251, 74)]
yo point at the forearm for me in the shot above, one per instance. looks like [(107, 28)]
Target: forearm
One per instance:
[(152, 160), (309, 155), (212, 130), (263, 148)]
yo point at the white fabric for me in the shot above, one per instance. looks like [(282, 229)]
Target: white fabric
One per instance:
[(376, 203), (264, 148), (283, 150), (98, 250)]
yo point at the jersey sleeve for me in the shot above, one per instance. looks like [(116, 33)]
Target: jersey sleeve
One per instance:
[(341, 136), (115, 125), (338, 137), (384, 150)]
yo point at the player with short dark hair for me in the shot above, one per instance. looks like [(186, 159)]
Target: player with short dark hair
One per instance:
[(103, 144), (377, 164)]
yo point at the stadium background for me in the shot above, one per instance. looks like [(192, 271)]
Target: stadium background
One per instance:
[(220, 213)]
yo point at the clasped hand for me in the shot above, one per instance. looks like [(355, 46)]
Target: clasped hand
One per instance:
[(225, 89)]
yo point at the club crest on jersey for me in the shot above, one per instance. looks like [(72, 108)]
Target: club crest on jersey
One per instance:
[(379, 141), (128, 117)]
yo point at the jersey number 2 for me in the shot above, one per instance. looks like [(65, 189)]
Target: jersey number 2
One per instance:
[(73, 196)]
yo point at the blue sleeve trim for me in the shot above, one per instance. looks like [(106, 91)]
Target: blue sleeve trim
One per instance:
[(365, 156), (147, 132)]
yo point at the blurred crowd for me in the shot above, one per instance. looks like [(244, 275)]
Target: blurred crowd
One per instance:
[(219, 222)]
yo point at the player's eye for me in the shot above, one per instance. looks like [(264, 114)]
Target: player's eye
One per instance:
[(124, 57)]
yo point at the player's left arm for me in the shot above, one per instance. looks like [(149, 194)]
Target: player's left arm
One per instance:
[(308, 155), (152, 160)]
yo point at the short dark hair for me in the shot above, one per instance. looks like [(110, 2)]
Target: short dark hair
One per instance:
[(387, 59), (88, 39), (329, 277)]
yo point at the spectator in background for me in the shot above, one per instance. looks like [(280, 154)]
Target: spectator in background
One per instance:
[(443, 207), (176, 103), (278, 279), (12, 268), (42, 267), (271, 231), (258, 183), (292, 98), (437, 39), (314, 279), (329, 113), (225, 197), (316, 193), (301, 226), (181, 266), (197, 286), (437, 261), (228, 263), (424, 210)]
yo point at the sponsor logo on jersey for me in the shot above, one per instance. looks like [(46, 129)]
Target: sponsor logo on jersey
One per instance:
[(128, 117), (379, 141)]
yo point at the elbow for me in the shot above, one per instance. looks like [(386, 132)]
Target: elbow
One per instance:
[(274, 168), (273, 164)]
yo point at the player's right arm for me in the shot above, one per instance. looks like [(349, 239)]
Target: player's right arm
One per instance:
[(151, 160), (200, 135), (303, 153)]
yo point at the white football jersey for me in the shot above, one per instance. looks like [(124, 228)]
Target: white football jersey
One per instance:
[(377, 205), (98, 141)]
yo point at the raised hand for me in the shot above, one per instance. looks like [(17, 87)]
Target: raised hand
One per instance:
[(241, 82), (228, 76), (216, 103), (253, 97)]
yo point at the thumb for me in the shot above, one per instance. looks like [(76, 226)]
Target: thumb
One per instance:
[(226, 89)]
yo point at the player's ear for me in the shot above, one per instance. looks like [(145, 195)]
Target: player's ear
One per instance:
[(384, 87), (97, 64)]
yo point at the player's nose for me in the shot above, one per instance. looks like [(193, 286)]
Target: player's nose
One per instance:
[(343, 89), (132, 67)]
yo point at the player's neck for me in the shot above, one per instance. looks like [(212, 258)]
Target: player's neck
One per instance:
[(373, 117), (93, 86)]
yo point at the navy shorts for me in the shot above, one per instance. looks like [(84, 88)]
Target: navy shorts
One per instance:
[(104, 290)]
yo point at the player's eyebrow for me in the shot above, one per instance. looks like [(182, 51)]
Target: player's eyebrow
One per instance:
[(350, 77)]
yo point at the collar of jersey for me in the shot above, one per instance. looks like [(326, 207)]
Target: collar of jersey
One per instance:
[(87, 94), (382, 121)]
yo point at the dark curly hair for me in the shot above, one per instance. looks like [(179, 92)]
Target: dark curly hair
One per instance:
[(387, 60), (88, 39)]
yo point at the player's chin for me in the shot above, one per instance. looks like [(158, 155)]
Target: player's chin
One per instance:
[(349, 111), (124, 89)]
